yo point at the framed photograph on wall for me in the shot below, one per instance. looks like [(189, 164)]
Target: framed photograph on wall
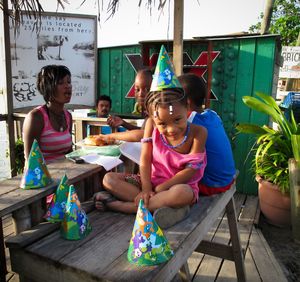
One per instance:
[(62, 39)]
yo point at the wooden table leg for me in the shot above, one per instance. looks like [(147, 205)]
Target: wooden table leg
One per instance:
[(3, 269), (235, 240), (184, 273), (37, 212), (22, 219)]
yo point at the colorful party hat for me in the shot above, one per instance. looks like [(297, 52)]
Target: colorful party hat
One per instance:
[(148, 245), (56, 209), (164, 76), (75, 225), (36, 174)]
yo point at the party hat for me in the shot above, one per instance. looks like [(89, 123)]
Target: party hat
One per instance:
[(56, 209), (164, 76), (36, 174), (75, 225), (148, 245)]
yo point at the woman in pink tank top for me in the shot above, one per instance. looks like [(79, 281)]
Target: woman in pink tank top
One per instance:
[(51, 124)]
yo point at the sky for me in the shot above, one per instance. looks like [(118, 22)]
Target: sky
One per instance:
[(131, 24)]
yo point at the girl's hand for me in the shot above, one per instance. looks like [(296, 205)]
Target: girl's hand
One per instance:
[(145, 196), (161, 187)]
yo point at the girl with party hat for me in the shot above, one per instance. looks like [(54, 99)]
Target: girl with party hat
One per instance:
[(173, 156)]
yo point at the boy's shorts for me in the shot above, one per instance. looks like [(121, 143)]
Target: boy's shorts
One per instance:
[(208, 191)]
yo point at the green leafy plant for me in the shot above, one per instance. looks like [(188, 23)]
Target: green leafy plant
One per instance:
[(19, 155), (274, 146), (285, 21)]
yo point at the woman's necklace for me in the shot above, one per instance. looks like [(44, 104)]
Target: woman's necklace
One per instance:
[(58, 118), (181, 143)]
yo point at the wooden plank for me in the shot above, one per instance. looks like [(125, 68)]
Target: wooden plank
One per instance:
[(244, 82), (14, 198), (28, 237), (227, 272), (235, 241), (210, 266), (246, 220), (178, 36), (267, 265), (184, 245), (215, 249), (63, 248), (184, 237), (6, 220), (249, 210)]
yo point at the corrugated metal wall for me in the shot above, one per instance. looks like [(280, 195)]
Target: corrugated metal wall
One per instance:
[(244, 66)]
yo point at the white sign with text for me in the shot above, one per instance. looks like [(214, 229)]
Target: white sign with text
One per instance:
[(62, 39), (291, 62)]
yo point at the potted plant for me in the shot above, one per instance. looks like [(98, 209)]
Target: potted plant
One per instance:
[(272, 151)]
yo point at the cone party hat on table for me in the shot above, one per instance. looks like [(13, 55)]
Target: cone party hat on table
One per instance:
[(56, 209), (75, 225), (148, 245), (36, 174), (164, 76)]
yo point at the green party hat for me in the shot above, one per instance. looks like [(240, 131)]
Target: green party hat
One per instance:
[(75, 225), (164, 76), (36, 174), (148, 245), (56, 209)]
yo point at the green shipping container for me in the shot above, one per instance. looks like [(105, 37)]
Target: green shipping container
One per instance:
[(242, 65)]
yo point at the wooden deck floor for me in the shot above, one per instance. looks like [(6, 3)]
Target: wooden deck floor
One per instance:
[(260, 263)]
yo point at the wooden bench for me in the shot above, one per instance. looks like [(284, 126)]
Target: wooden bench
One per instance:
[(103, 254), (27, 206)]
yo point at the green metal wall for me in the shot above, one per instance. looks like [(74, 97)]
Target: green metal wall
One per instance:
[(244, 66), (116, 76)]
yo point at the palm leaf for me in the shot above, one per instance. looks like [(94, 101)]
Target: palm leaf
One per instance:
[(250, 128), (34, 7), (296, 146)]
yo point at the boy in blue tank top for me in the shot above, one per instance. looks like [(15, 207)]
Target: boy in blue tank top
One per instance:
[(220, 170)]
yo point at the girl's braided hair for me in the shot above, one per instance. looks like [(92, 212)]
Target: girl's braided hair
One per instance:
[(48, 78), (164, 97)]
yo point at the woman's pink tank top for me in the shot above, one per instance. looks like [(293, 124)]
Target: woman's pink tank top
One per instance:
[(53, 144)]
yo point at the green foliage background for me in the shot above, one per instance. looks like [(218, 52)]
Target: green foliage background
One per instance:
[(285, 21)]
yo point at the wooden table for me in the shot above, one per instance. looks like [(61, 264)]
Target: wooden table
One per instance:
[(27, 206), (102, 255)]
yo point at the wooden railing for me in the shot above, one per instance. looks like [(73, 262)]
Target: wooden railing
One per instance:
[(80, 125)]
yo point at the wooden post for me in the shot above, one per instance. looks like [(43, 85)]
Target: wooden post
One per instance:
[(178, 36), (265, 24), (294, 177), (209, 74), (9, 94)]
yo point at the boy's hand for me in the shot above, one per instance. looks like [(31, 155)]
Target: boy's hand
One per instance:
[(145, 196), (114, 121)]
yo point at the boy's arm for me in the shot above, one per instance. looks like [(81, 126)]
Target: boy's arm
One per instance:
[(115, 121), (130, 136), (145, 166)]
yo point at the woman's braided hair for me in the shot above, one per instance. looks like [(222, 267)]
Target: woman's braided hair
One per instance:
[(48, 78)]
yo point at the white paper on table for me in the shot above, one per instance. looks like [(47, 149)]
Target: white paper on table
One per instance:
[(107, 162), (131, 150)]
